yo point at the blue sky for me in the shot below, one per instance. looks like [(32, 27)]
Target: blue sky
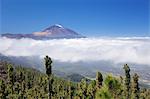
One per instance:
[(88, 17)]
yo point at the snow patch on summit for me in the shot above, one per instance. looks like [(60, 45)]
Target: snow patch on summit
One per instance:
[(58, 25)]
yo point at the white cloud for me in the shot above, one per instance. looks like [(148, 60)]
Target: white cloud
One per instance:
[(118, 50)]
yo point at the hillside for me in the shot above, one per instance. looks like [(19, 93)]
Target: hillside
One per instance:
[(20, 82)]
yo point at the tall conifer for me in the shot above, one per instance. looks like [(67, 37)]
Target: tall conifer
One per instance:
[(127, 80)]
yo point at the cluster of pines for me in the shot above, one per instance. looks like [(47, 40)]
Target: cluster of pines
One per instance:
[(27, 83)]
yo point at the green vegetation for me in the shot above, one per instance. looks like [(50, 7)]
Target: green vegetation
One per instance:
[(127, 81), (27, 83)]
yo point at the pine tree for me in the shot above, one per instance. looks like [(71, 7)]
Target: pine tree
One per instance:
[(22, 91), (82, 89), (10, 72), (99, 80), (103, 93), (114, 86), (127, 81), (29, 80), (91, 89), (48, 66), (135, 87), (83, 86), (70, 92), (2, 89), (21, 76)]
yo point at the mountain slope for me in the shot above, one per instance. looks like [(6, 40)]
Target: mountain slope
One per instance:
[(53, 32)]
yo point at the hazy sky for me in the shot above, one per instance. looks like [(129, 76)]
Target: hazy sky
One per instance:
[(88, 17)]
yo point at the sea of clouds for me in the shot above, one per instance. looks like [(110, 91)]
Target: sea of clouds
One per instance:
[(118, 50)]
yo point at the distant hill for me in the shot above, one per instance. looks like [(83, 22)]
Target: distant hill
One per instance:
[(35, 63), (76, 77), (53, 32)]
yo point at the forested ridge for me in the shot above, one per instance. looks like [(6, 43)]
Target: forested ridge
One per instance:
[(27, 83)]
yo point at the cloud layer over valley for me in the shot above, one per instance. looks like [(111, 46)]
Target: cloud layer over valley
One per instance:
[(117, 50)]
